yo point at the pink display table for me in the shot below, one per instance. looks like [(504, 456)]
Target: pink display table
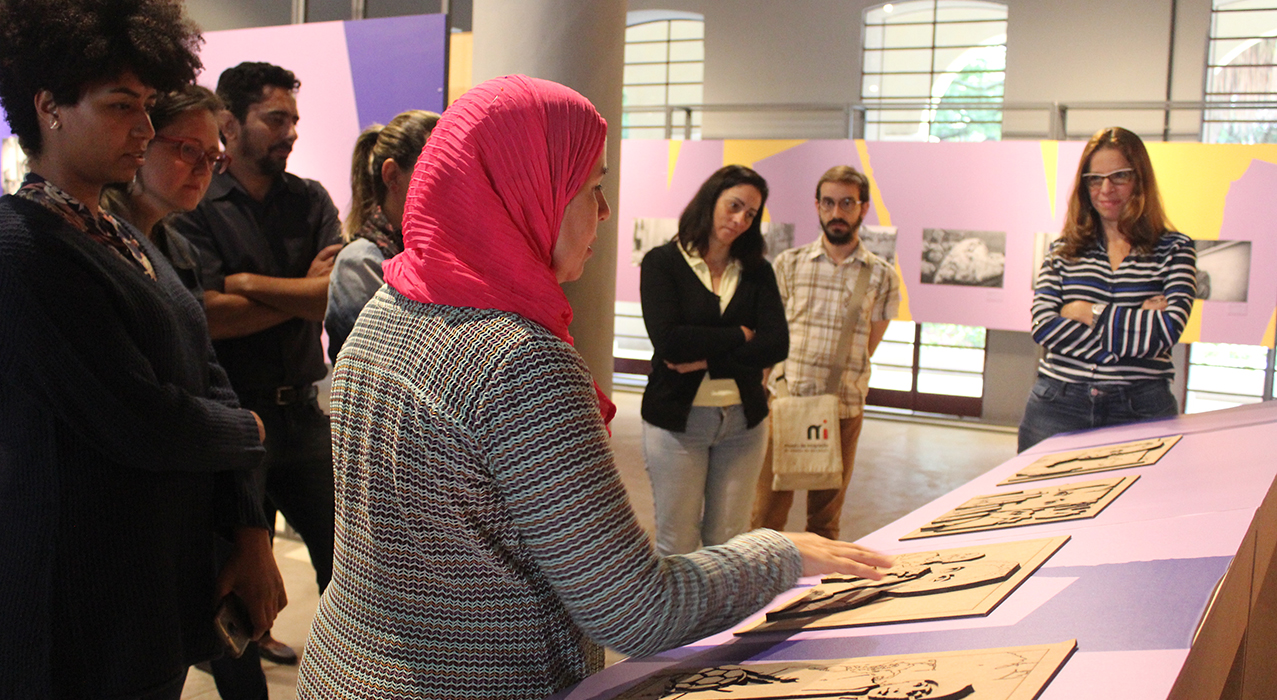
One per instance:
[(1168, 591)]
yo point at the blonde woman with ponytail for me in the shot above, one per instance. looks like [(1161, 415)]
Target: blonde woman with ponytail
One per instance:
[(380, 171)]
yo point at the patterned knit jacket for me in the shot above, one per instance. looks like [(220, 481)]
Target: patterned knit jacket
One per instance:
[(485, 543)]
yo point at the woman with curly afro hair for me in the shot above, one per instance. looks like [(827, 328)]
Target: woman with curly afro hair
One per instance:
[(123, 452)]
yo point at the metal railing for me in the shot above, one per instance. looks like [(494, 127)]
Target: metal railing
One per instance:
[(854, 115)]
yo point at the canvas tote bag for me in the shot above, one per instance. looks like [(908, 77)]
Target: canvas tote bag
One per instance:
[(806, 441)]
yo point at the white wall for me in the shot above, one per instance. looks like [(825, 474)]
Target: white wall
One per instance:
[(808, 51)]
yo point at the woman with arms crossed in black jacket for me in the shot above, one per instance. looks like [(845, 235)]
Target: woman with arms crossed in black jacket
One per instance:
[(715, 318)]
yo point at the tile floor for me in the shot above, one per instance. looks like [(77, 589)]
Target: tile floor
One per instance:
[(900, 465)]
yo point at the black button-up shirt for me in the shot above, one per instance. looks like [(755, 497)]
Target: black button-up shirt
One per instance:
[(277, 237)]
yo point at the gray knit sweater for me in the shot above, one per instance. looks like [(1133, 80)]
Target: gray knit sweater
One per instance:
[(485, 544), (122, 451)]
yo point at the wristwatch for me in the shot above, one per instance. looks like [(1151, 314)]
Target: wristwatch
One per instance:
[(1098, 308)]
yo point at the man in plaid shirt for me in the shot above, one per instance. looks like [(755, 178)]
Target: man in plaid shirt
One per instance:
[(816, 282)]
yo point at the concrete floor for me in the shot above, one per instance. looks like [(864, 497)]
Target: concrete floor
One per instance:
[(900, 465)]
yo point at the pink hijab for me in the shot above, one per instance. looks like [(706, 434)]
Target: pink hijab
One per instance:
[(487, 199)]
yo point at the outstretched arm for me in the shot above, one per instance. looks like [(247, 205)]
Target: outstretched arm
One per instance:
[(568, 504)]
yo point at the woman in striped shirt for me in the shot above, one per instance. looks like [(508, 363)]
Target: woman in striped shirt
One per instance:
[(1111, 300)]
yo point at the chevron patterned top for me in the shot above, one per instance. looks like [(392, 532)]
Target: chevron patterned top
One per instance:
[(485, 543)]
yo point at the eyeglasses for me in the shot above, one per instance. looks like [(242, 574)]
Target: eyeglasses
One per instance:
[(192, 152), (1095, 181), (848, 204)]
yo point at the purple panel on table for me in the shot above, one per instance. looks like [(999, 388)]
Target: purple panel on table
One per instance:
[(397, 64), (1115, 607)]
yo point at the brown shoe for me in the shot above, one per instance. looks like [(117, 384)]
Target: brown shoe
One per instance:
[(272, 649)]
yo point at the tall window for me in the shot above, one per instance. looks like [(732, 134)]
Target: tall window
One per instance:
[(1242, 67), (664, 65), (931, 367), (1223, 376), (922, 55)]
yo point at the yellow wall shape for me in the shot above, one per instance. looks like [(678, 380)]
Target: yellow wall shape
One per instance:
[(1194, 179), (884, 219), (676, 147), (1050, 167), (747, 152)]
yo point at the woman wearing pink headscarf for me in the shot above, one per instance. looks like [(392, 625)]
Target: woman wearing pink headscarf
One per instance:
[(485, 545)]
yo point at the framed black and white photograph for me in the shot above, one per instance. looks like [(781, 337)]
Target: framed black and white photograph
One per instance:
[(965, 258), (881, 241), (649, 233), (1223, 270), (779, 237)]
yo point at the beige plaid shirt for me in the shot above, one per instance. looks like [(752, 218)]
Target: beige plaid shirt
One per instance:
[(815, 291)]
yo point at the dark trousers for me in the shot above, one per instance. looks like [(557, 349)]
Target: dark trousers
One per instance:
[(824, 506), (1062, 407), (297, 475)]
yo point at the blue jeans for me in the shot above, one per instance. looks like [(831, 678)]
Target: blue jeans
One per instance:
[(1061, 407), (703, 478)]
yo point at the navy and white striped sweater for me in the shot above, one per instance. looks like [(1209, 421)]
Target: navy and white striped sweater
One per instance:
[(1125, 344)]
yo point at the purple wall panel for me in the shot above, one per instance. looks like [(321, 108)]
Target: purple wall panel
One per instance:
[(791, 178), (352, 73), (316, 53), (397, 64), (1249, 213)]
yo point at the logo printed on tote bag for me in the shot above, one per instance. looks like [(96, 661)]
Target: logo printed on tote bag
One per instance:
[(816, 432)]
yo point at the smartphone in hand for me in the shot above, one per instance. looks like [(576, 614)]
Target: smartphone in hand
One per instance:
[(233, 625)]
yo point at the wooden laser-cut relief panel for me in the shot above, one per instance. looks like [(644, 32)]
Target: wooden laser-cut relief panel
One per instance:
[(1010, 673), (1140, 453), (933, 585), (1076, 501)]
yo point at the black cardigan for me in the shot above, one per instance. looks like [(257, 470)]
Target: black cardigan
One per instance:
[(684, 324), (117, 431)]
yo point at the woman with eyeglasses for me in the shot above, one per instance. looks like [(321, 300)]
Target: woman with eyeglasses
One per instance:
[(1112, 298), (180, 162), (716, 320)]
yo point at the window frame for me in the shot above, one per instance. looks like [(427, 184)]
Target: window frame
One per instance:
[(654, 127), (879, 114)]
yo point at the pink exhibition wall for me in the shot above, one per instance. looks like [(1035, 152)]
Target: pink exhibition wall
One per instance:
[(1020, 188), (316, 53)]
